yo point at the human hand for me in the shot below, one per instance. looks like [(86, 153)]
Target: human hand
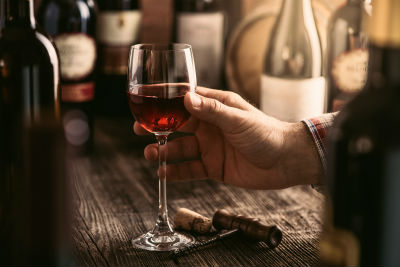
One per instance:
[(237, 144)]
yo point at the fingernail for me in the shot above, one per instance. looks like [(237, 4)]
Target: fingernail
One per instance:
[(195, 100)]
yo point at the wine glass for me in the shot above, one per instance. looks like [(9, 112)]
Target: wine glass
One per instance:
[(159, 77)]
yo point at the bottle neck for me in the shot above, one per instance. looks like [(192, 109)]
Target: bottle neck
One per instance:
[(19, 13), (195, 5), (295, 8), (354, 2), (2, 14), (295, 13)]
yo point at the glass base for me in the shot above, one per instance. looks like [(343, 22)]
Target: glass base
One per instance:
[(162, 242)]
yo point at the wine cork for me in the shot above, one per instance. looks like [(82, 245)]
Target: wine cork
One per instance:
[(192, 221)]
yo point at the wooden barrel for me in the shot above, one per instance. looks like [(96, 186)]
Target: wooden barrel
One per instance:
[(248, 43)]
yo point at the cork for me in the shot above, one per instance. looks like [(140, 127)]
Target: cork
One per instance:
[(192, 221)]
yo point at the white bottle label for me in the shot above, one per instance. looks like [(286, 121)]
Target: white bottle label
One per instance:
[(349, 70), (118, 27), (77, 55), (292, 100), (205, 33)]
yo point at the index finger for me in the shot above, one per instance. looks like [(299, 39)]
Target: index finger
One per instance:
[(228, 98)]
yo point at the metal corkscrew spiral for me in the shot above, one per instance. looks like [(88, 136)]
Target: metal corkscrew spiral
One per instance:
[(188, 249)]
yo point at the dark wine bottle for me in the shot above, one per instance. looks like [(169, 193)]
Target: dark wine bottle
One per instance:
[(292, 86), (72, 24), (201, 23), (118, 26), (347, 53), (2, 15), (31, 143), (29, 67), (364, 164), (29, 74)]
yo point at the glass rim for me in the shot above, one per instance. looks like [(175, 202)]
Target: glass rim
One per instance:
[(164, 47)]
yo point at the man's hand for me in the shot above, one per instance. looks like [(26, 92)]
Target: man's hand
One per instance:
[(237, 144)]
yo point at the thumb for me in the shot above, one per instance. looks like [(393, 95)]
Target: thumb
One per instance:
[(227, 118)]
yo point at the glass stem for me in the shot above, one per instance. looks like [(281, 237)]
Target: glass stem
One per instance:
[(162, 224)]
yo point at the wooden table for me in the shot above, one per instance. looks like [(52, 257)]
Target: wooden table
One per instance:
[(115, 192)]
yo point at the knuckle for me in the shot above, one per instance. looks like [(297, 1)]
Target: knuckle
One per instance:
[(233, 98), (228, 97), (233, 95), (215, 106)]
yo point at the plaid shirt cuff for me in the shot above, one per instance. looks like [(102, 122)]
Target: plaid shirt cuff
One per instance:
[(319, 128)]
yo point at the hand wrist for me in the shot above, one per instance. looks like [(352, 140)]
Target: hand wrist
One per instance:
[(301, 163)]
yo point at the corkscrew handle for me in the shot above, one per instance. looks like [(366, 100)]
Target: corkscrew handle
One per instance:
[(248, 226)]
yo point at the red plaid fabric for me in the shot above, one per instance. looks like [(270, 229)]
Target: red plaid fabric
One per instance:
[(319, 128)]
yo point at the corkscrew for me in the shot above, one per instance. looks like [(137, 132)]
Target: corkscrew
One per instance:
[(190, 248), (249, 227)]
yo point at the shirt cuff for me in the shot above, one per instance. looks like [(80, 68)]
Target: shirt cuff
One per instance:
[(319, 128)]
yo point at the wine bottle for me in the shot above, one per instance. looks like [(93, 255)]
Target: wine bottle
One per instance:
[(2, 16), (29, 74), (72, 24), (118, 26), (363, 167), (200, 23), (347, 53), (292, 86), (29, 67), (30, 230)]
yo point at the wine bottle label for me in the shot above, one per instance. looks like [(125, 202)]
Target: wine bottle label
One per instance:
[(205, 33), (292, 100), (116, 32), (80, 92), (77, 55), (349, 70), (118, 27)]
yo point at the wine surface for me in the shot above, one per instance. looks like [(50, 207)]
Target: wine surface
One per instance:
[(159, 108)]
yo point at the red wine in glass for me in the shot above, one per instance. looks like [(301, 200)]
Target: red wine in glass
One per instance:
[(159, 108)]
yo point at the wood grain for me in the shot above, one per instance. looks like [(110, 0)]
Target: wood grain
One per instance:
[(115, 199)]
